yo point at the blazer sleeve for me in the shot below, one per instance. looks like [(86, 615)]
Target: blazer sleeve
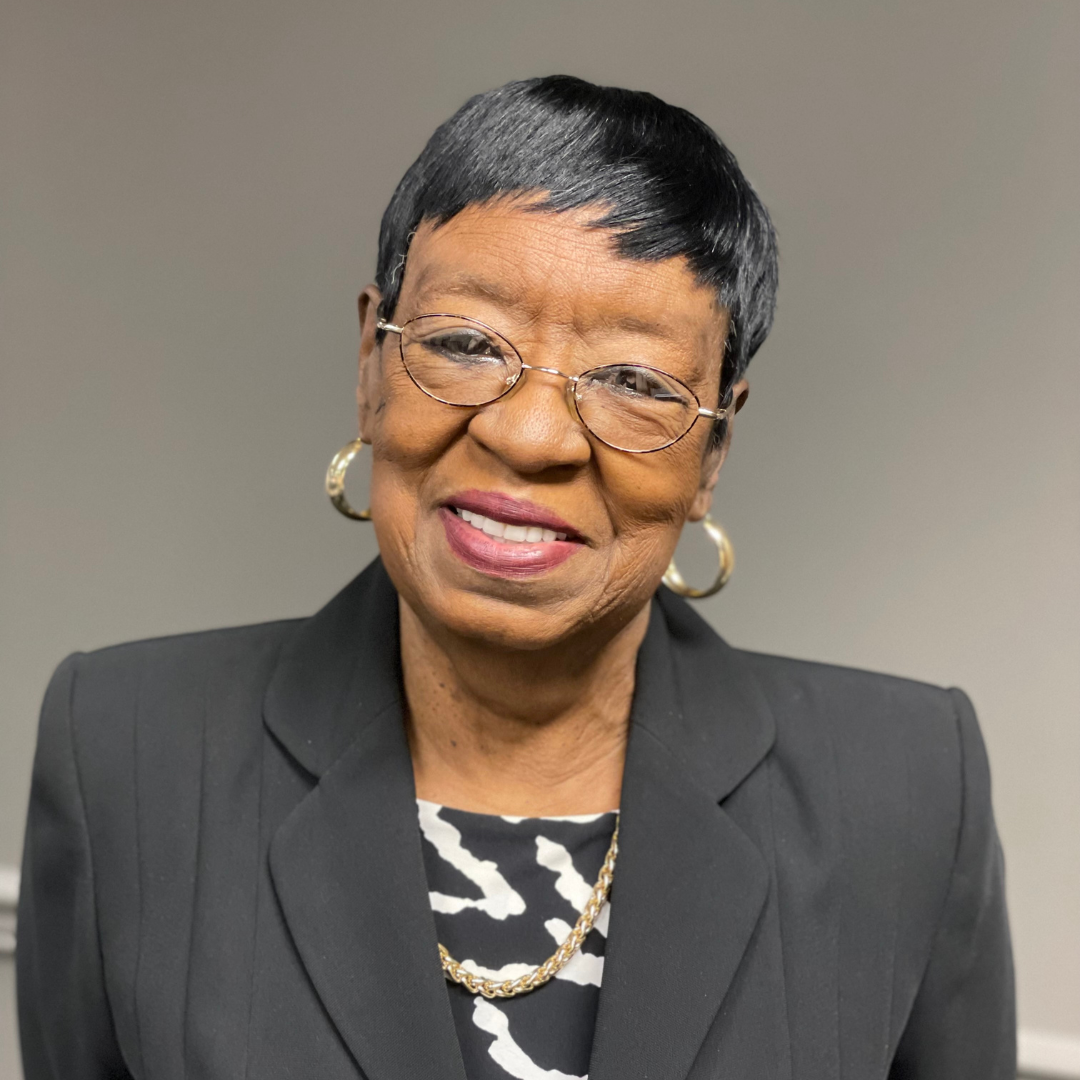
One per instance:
[(65, 1024), (962, 1025)]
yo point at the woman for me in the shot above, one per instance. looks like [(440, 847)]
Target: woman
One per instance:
[(504, 807)]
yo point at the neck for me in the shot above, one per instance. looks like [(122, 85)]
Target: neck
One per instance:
[(527, 733)]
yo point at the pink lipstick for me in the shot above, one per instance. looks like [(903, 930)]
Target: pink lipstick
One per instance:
[(507, 537)]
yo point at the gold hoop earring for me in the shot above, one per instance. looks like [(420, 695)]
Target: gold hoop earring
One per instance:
[(674, 580), (335, 481)]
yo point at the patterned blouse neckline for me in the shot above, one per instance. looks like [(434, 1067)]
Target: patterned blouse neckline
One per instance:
[(516, 819), (505, 892)]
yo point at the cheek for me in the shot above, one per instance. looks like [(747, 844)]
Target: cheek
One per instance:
[(651, 493), (634, 504), (648, 498), (411, 434), (412, 430)]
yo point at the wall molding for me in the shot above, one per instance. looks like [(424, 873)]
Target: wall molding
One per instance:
[(1048, 1056), (1043, 1054), (9, 899)]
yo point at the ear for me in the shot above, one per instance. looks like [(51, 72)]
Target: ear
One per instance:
[(716, 455), (368, 385)]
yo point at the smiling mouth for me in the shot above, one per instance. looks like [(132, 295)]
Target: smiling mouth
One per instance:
[(506, 531), (506, 537)]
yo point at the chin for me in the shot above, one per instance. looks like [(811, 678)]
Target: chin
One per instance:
[(529, 612), (511, 618)]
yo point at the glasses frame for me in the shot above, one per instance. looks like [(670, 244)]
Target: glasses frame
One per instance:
[(723, 413)]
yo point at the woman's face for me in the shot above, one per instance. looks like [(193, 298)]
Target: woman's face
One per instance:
[(558, 291)]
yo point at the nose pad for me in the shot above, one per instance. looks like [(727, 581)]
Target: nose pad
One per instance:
[(531, 431), (568, 387), (571, 401)]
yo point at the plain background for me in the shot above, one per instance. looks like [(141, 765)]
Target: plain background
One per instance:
[(191, 197)]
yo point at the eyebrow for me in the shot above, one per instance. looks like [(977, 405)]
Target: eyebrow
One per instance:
[(471, 287)]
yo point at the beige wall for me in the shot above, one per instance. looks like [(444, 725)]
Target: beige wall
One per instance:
[(192, 193)]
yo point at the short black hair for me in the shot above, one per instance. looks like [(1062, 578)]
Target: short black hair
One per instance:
[(667, 183)]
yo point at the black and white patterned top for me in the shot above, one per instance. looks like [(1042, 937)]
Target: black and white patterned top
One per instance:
[(506, 891)]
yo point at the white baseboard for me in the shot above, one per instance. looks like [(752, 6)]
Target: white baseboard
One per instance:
[(9, 899), (1043, 1054), (1048, 1056)]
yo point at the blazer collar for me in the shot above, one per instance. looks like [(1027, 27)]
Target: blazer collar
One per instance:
[(348, 868), (339, 670), (346, 864), (343, 666), (689, 884), (695, 696)]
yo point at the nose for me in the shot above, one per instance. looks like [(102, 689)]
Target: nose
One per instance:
[(534, 428)]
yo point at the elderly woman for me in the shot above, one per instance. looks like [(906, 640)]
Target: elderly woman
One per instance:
[(505, 807)]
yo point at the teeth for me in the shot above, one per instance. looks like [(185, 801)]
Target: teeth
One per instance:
[(516, 534)]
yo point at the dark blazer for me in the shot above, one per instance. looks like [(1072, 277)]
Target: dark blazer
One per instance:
[(223, 874)]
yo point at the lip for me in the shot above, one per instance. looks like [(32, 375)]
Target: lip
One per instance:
[(501, 558), (494, 504)]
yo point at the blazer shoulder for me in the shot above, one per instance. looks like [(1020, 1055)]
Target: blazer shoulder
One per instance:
[(873, 732), (830, 694), (896, 752), (238, 649), (110, 694), (881, 785), (818, 700)]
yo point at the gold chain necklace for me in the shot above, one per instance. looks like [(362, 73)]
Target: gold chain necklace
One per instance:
[(492, 988)]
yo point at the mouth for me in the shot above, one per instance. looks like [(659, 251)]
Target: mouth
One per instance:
[(506, 537), (503, 530)]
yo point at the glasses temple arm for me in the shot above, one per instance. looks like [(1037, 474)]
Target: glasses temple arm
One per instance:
[(723, 413)]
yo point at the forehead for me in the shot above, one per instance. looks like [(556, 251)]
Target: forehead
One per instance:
[(547, 267)]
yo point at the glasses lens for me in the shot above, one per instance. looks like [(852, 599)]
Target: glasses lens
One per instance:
[(458, 361), (635, 408)]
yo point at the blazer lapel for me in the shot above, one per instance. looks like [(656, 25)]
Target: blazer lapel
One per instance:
[(347, 863), (689, 884)]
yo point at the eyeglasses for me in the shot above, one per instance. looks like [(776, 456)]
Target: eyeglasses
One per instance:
[(630, 407)]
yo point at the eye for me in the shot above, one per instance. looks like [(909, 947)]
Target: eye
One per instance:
[(638, 382), (464, 345)]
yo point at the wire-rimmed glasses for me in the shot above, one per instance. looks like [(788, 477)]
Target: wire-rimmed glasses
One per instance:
[(467, 364)]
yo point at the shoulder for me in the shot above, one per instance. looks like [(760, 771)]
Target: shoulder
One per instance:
[(866, 720), (161, 687), (814, 704), (832, 734), (891, 758), (237, 648), (879, 822), (848, 700), (175, 665)]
